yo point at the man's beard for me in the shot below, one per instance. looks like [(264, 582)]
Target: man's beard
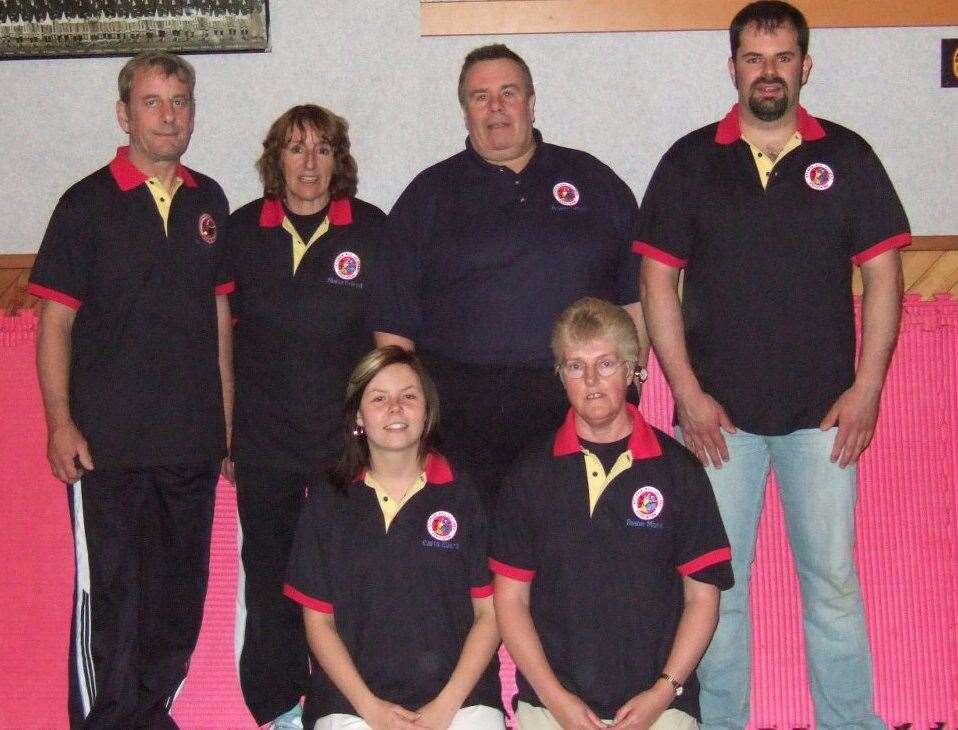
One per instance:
[(769, 110)]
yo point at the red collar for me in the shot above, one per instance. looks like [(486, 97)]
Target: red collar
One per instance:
[(730, 131), (642, 443), (437, 470), (272, 213), (128, 175)]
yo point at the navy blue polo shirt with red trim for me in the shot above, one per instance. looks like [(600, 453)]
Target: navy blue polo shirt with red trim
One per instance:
[(606, 588), (402, 598), (767, 302), (144, 375), (298, 335), (487, 259)]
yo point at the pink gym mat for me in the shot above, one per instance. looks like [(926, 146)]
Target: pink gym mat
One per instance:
[(907, 551)]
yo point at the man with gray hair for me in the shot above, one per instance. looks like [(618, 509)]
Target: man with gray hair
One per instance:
[(133, 358)]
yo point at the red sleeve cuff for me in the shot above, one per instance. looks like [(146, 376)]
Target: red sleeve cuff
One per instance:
[(481, 591), (510, 571), (659, 255), (53, 295), (308, 601), (705, 561), (228, 288), (899, 241)]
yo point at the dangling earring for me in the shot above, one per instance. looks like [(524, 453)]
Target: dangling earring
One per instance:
[(358, 431)]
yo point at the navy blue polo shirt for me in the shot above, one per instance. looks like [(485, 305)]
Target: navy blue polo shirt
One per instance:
[(767, 302), (144, 375), (402, 597), (487, 259), (606, 593), (298, 335)]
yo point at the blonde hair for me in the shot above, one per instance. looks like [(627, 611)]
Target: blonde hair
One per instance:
[(589, 319)]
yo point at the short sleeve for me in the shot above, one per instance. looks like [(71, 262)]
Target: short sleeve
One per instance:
[(63, 265), (627, 279), (703, 552), (513, 552), (880, 223), (225, 278), (665, 230), (480, 583), (231, 251), (394, 303), (381, 266), (307, 576)]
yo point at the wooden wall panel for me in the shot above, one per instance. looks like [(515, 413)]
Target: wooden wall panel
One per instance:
[(493, 17), (930, 267)]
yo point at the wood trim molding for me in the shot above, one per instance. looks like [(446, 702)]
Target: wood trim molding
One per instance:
[(934, 243), (494, 17), (930, 264)]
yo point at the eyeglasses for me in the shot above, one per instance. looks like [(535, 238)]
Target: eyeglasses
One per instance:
[(576, 369)]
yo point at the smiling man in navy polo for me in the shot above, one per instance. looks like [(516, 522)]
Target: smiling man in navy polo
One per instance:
[(492, 244), (767, 211), (133, 363)]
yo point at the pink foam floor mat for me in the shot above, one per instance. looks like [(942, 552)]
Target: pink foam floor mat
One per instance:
[(907, 555)]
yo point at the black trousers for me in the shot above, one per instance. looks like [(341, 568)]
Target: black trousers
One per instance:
[(491, 413), (274, 660), (142, 548)]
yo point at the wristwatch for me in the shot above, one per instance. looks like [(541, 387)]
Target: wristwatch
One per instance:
[(676, 684)]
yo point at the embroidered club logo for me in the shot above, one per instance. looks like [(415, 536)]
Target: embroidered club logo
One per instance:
[(647, 503), (207, 228), (819, 176), (442, 525), (566, 193), (347, 265)]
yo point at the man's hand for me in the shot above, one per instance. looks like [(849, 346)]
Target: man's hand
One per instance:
[(702, 419), (66, 446), (437, 715), (855, 412), (573, 714), (645, 708), (382, 715)]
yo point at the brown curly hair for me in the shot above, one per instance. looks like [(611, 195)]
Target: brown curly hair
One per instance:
[(333, 128)]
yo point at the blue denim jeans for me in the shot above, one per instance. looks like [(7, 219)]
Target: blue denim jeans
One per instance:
[(818, 500)]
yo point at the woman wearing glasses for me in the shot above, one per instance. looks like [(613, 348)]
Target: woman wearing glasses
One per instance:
[(608, 550)]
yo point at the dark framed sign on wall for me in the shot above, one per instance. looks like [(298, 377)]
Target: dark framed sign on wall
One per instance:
[(76, 28)]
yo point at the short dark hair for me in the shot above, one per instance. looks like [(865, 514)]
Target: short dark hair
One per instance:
[(333, 128), (768, 15), (169, 63), (355, 456), (493, 52)]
